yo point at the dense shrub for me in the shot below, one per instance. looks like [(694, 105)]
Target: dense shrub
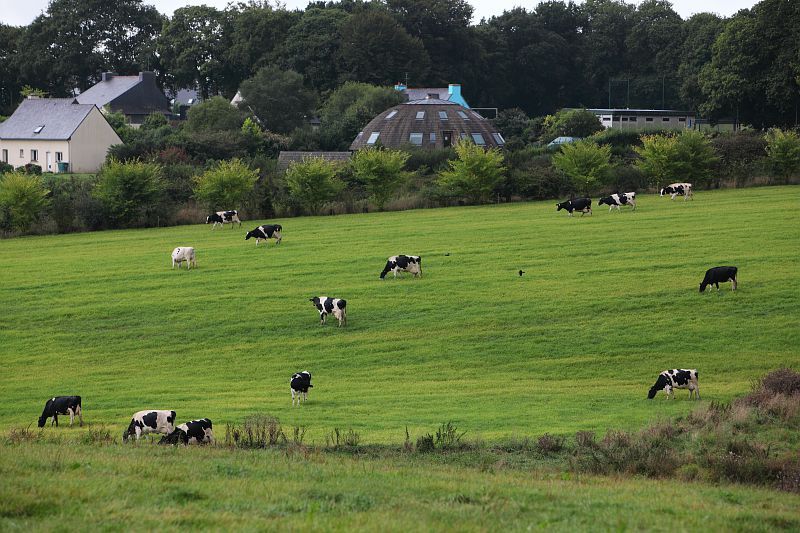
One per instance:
[(475, 173), (696, 157), (311, 183), (22, 199), (225, 185), (31, 168), (429, 160), (783, 152), (214, 114), (659, 160), (585, 162), (130, 191), (570, 123), (531, 175), (738, 152), (381, 171), (5, 168), (73, 207)]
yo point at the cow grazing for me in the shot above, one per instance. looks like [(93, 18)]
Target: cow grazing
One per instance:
[(326, 305), (300, 383), (184, 253), (675, 189), (717, 275), (266, 232), (669, 380), (617, 200), (194, 432), (61, 405), (403, 263), (150, 421), (584, 205), (224, 217)]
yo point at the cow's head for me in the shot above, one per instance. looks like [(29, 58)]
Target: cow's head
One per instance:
[(661, 384), (208, 219), (663, 191), (559, 207), (249, 234)]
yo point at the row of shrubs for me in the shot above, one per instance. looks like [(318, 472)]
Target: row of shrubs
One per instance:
[(171, 185)]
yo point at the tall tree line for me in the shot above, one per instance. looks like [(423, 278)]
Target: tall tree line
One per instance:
[(558, 54)]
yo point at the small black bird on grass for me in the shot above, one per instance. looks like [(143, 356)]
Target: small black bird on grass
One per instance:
[(521, 272)]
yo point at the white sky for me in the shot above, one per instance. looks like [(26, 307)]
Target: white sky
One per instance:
[(22, 12)]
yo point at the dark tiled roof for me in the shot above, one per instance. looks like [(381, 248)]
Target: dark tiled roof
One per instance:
[(60, 117), (284, 158), (104, 92), (132, 95), (395, 125)]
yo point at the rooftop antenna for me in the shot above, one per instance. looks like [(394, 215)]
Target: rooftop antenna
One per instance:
[(406, 79)]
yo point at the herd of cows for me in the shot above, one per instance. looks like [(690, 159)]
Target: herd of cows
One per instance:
[(201, 431)]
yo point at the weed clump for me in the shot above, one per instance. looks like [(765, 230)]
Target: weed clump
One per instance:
[(257, 431), (550, 444)]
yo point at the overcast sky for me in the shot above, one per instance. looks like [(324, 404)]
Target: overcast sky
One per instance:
[(22, 12)]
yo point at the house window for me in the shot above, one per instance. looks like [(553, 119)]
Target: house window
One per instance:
[(59, 156), (390, 115), (443, 115), (34, 155), (373, 137), (665, 119), (682, 119), (415, 139), (498, 139), (5, 156), (462, 115), (649, 119), (435, 96), (633, 119), (624, 119), (21, 153), (478, 138), (606, 119), (420, 115), (433, 137)]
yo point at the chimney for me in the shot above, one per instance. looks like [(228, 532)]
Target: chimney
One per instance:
[(147, 76), (106, 76), (454, 89)]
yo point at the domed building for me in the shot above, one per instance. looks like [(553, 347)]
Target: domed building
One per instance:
[(429, 123)]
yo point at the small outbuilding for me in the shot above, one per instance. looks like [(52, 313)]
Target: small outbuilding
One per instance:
[(428, 123)]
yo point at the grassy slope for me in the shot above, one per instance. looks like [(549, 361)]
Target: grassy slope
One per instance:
[(78, 487), (607, 302)]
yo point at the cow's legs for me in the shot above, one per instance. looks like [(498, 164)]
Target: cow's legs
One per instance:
[(80, 414), (71, 416), (54, 420), (733, 283)]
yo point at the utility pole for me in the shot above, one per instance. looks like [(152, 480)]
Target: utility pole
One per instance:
[(663, 106), (609, 93), (628, 98)]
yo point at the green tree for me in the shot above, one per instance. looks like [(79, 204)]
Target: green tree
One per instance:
[(23, 197), (312, 182), (129, 190), (783, 152), (570, 123), (278, 98), (225, 185), (659, 158), (475, 173), (696, 156), (214, 114), (584, 162), (381, 171)]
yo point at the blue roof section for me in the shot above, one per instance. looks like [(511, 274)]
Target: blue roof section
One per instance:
[(451, 93)]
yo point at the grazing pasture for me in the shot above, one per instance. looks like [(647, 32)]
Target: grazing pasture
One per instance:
[(606, 303)]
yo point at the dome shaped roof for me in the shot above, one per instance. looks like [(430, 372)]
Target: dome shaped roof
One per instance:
[(429, 123)]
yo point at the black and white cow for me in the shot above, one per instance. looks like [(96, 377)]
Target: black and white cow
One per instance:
[(326, 305), (675, 189), (61, 405), (300, 383), (194, 432), (677, 378), (266, 232), (150, 421), (403, 263), (617, 200), (184, 253), (717, 275), (224, 217), (584, 205)]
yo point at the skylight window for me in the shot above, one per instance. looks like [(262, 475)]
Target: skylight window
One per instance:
[(477, 115), (420, 115), (462, 115), (373, 137), (415, 139), (38, 129), (478, 138), (498, 138), (443, 115), (433, 137), (390, 115)]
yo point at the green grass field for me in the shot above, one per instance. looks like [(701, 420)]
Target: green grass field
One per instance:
[(606, 303)]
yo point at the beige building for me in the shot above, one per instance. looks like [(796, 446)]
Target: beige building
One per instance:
[(640, 119), (58, 134)]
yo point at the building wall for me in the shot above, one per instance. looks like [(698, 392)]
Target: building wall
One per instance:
[(41, 146), (90, 143), (632, 121)]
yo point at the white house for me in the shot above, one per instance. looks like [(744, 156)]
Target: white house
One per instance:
[(48, 131), (645, 118)]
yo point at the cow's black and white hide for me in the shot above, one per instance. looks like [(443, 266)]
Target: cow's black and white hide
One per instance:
[(584, 205), (677, 378), (224, 217), (184, 254), (674, 189), (403, 263), (150, 421), (617, 200), (326, 306), (61, 405), (715, 276), (194, 432), (299, 384), (266, 232)]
